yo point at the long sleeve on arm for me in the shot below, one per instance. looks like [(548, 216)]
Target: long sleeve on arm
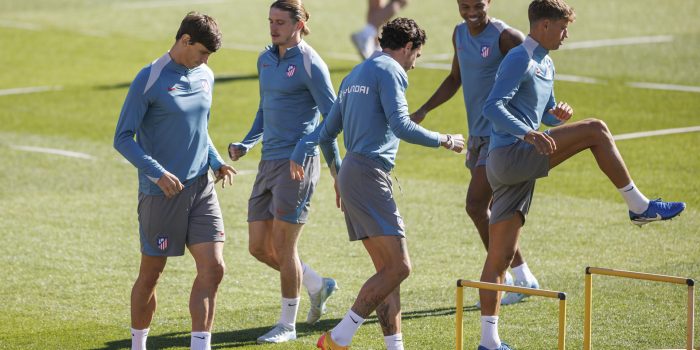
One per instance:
[(215, 160), (510, 75), (395, 108), (130, 119)]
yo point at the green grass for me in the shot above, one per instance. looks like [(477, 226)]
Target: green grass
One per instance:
[(70, 252)]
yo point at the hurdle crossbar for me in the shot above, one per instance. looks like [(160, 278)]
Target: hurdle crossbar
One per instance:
[(514, 289), (639, 276)]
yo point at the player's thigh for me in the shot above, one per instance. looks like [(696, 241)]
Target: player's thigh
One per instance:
[(208, 255), (479, 191), (571, 139), (260, 235)]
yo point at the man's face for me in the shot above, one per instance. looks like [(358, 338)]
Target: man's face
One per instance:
[(283, 29), (474, 12), (411, 55), (555, 33), (195, 55)]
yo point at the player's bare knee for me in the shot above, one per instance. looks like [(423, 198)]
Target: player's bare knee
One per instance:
[(259, 252), (599, 130), (402, 270), (477, 209), (212, 273)]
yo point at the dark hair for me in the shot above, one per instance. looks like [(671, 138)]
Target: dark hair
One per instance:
[(297, 11), (550, 9), (399, 32), (201, 29)]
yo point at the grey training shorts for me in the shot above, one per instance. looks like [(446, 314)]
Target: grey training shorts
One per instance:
[(368, 199), (193, 216), (477, 151), (512, 171), (276, 195)]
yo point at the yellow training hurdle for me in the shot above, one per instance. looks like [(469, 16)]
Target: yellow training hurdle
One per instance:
[(500, 287), (640, 276)]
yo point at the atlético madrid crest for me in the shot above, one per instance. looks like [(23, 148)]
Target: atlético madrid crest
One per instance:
[(291, 69), (162, 242), (485, 51)]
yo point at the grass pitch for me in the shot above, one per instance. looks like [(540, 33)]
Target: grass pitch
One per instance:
[(71, 249)]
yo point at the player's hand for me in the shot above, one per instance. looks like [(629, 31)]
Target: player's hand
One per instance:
[(225, 174), (170, 185), (454, 142), (338, 202), (544, 143), (418, 116), (562, 111), (236, 151), (296, 171)]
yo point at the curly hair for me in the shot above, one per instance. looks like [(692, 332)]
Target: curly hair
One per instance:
[(399, 32)]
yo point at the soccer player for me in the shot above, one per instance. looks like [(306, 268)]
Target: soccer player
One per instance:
[(480, 43), (372, 109), (167, 108), (521, 99), (378, 12), (295, 87)]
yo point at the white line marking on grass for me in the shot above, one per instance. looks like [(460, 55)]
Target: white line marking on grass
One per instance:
[(636, 135), (671, 87), (55, 151), (19, 25), (154, 4), (640, 40), (29, 90), (577, 79)]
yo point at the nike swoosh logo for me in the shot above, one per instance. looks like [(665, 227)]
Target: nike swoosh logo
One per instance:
[(198, 337), (630, 189), (291, 304), (353, 320), (491, 322)]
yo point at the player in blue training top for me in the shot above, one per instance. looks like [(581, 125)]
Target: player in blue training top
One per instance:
[(522, 98), (480, 43), (372, 110), (295, 88), (167, 109)]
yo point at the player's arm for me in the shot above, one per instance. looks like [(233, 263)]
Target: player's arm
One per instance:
[(329, 129), (236, 150), (509, 39), (222, 171), (321, 88), (445, 91), (130, 119), (511, 73), (393, 100)]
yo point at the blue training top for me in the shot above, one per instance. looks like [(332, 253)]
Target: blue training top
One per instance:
[(167, 108), (372, 109), (479, 57), (294, 91), (522, 95)]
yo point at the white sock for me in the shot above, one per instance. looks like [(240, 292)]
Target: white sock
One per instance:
[(200, 341), (489, 332), (394, 341), (311, 280), (522, 273), (368, 32), (288, 316), (138, 338), (636, 201), (342, 333)]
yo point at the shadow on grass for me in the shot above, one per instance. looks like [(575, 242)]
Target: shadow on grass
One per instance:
[(249, 336), (220, 79)]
